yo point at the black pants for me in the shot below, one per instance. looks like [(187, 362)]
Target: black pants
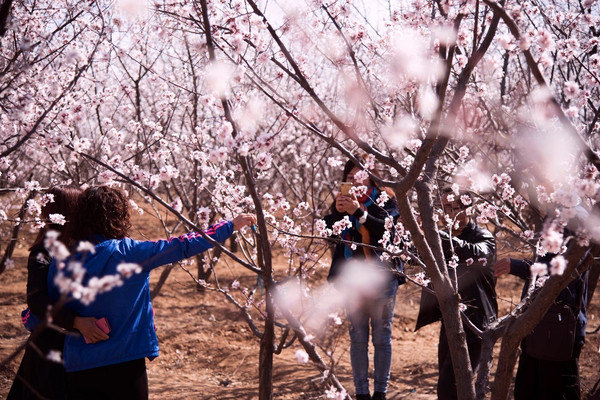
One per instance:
[(124, 381), (37, 376), (446, 386), (548, 380)]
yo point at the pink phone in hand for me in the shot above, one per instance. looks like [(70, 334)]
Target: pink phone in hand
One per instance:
[(101, 323)]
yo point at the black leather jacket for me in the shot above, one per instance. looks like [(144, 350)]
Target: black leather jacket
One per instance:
[(476, 251)]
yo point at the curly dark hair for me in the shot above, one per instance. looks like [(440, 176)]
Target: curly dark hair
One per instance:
[(64, 202), (102, 210)]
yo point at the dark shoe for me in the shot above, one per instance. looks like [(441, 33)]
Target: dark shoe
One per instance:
[(378, 396), (363, 397)]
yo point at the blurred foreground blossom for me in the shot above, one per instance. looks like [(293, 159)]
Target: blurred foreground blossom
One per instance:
[(86, 246), (538, 269), (558, 265), (54, 356), (218, 77), (301, 356), (128, 269)]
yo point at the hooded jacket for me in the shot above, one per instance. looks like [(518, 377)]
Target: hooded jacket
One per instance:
[(127, 308)]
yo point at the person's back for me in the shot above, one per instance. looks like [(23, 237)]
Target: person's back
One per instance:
[(112, 280)]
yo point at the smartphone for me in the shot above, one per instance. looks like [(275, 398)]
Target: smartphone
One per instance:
[(102, 323), (345, 188)]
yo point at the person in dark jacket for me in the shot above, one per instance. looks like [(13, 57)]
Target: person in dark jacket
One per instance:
[(115, 368), (366, 217), (543, 379), (37, 375), (470, 252)]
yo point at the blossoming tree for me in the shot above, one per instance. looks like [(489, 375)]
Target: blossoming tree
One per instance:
[(213, 107)]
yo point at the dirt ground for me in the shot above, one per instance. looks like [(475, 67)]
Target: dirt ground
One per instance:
[(208, 351)]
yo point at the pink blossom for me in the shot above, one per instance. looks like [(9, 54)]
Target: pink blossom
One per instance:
[(571, 89), (203, 215), (527, 235), (86, 246), (301, 357), (33, 207), (361, 176), (263, 161), (332, 393), (54, 356), (414, 144), (57, 219), (359, 191), (453, 263), (421, 279), (540, 281), (558, 265), (177, 205), (335, 318), (382, 199), (552, 239), (538, 269), (506, 41), (341, 225), (9, 263), (545, 40)]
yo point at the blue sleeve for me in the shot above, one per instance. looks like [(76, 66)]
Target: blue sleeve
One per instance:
[(151, 255)]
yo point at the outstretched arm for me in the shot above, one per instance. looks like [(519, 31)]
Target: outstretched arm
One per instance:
[(154, 254)]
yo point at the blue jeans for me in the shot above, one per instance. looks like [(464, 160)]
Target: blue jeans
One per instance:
[(379, 311)]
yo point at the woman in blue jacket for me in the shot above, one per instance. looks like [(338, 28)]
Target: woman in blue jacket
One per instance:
[(115, 368)]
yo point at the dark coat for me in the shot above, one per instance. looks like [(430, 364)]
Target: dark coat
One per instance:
[(375, 224), (574, 295), (476, 282), (46, 377)]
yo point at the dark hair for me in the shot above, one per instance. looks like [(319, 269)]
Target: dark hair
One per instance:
[(104, 211), (65, 202), (350, 164)]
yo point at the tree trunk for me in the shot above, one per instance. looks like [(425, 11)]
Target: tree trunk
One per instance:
[(457, 342), (161, 281), (15, 234), (265, 369)]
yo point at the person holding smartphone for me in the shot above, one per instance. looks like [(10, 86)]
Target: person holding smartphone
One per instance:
[(115, 368), (367, 214)]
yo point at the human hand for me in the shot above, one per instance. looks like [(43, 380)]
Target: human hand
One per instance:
[(88, 328), (502, 266), (243, 220), (338, 204), (348, 204)]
